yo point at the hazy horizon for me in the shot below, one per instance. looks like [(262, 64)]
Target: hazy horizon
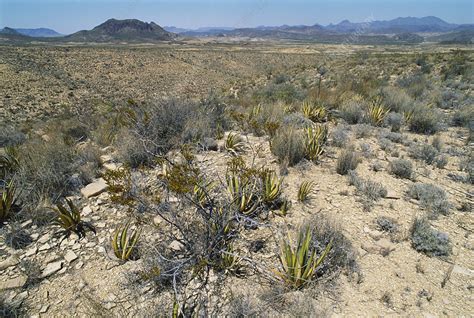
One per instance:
[(69, 16)]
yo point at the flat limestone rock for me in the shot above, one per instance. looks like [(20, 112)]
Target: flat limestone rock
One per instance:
[(94, 188), (13, 283), (11, 261), (51, 268)]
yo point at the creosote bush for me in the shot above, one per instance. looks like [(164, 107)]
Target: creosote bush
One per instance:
[(402, 168), (432, 198), (288, 145), (425, 121), (427, 240), (347, 161)]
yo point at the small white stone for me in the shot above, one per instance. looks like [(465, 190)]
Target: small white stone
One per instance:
[(70, 256)]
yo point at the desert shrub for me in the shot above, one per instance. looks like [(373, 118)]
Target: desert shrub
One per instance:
[(464, 117), (366, 150), (393, 136), (352, 111), (394, 121), (285, 92), (424, 152), (425, 121), (431, 198), (457, 65), (154, 129), (414, 84), (402, 168), (297, 120), (385, 144), (437, 142), (132, 151), (441, 161), (448, 99), (369, 190), (387, 224), (16, 237), (46, 170), (347, 161), (427, 240), (363, 131), (281, 78), (396, 99), (288, 145), (10, 136), (342, 256), (340, 136)]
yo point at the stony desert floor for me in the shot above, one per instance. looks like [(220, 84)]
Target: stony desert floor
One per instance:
[(81, 277)]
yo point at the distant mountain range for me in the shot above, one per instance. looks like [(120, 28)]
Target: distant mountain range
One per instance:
[(39, 32), (397, 31)]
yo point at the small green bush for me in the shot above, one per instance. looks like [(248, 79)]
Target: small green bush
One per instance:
[(347, 161), (352, 111), (288, 145), (402, 168), (394, 121), (431, 198), (425, 121), (424, 152), (429, 241)]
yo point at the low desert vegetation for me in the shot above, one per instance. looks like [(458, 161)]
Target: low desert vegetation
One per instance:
[(206, 192), (425, 239)]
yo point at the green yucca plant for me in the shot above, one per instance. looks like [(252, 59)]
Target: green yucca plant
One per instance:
[(271, 186), (201, 193), (70, 219), (300, 263), (284, 207), (229, 261), (305, 190), (314, 141), (8, 201), (243, 195), (317, 114), (255, 111), (408, 115), (124, 243), (9, 161), (377, 112), (234, 143)]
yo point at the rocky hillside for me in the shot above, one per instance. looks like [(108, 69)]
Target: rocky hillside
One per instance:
[(130, 30)]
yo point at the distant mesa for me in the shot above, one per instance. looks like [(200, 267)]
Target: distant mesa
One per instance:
[(130, 30), (39, 32)]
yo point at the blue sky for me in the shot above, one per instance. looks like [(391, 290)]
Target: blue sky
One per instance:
[(67, 16)]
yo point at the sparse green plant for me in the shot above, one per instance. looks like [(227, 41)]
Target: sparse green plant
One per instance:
[(387, 224), (424, 152), (288, 145), (299, 264), (315, 113), (347, 161), (370, 190), (427, 240), (394, 121), (119, 183), (402, 168), (315, 140), (432, 198), (234, 144), (70, 219), (271, 186), (123, 243), (243, 194), (305, 189), (424, 120), (376, 112), (9, 162), (8, 201)]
